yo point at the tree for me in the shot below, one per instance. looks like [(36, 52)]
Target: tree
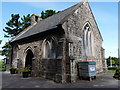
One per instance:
[(108, 61), (48, 13), (6, 49), (17, 24), (26, 21), (115, 61), (13, 26)]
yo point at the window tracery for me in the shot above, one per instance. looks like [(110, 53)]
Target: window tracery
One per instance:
[(49, 48), (87, 47)]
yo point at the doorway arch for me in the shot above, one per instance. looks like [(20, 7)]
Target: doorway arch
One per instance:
[(28, 59)]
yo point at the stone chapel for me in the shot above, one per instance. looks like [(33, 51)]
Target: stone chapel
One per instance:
[(54, 46)]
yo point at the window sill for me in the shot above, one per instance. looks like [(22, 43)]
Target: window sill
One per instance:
[(50, 58), (58, 58)]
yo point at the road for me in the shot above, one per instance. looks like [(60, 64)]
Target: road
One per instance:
[(16, 81)]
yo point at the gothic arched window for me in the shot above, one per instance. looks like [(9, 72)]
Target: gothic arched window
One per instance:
[(87, 41), (49, 49)]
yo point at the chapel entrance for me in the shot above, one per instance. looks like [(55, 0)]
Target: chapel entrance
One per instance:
[(28, 60)]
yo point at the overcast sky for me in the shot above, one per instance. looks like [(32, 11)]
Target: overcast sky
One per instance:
[(106, 15)]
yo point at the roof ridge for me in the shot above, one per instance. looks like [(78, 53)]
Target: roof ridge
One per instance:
[(74, 8), (48, 23), (25, 30), (61, 11)]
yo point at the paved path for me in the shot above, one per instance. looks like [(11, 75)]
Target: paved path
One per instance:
[(16, 81)]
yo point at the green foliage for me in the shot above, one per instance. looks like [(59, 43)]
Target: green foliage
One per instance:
[(16, 24), (26, 69), (47, 13), (2, 69), (12, 67), (13, 26), (26, 21), (6, 49), (115, 61), (117, 73), (112, 68), (2, 65), (111, 71), (118, 68)]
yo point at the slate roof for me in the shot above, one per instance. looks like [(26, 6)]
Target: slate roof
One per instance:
[(47, 24)]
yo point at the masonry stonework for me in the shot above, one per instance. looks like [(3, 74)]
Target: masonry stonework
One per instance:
[(57, 52)]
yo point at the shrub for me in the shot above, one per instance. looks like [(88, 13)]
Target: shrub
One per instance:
[(26, 69), (12, 67), (2, 65), (118, 67), (117, 73), (112, 68)]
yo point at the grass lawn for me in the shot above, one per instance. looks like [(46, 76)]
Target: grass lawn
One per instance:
[(111, 71)]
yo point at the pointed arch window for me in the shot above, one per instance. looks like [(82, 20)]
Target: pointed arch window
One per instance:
[(87, 41), (49, 50)]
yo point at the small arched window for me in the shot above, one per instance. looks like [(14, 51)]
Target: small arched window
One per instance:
[(49, 50)]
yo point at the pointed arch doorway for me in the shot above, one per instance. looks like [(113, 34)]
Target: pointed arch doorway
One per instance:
[(28, 59)]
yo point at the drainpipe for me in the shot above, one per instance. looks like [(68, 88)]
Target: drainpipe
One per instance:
[(10, 62)]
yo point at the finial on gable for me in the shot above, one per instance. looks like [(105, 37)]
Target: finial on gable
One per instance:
[(84, 1)]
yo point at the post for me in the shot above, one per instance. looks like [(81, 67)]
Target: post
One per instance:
[(118, 57), (110, 62)]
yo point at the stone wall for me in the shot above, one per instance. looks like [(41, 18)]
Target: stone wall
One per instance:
[(69, 49), (48, 68), (73, 31)]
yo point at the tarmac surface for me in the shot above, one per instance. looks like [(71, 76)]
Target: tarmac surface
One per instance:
[(105, 80)]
